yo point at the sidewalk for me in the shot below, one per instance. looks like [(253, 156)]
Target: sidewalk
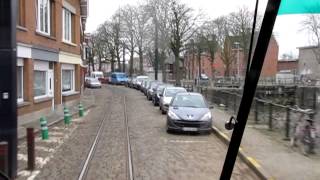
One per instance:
[(87, 99), (274, 154)]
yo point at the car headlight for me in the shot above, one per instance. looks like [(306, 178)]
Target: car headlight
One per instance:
[(206, 117), (172, 115)]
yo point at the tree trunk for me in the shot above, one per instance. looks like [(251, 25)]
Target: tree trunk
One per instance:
[(100, 63), (227, 71), (124, 59), (193, 59), (156, 51), (162, 65), (140, 60), (177, 68), (118, 60), (131, 62), (92, 62), (199, 61), (112, 62), (212, 69)]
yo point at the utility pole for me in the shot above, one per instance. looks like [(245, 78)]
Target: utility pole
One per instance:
[(8, 82)]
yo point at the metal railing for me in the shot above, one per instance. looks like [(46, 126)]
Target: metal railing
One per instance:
[(266, 114)]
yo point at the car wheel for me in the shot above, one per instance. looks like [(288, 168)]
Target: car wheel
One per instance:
[(162, 111)]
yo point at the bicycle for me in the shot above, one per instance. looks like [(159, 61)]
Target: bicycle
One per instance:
[(304, 132)]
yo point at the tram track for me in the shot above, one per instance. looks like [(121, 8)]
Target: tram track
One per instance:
[(89, 157), (86, 164)]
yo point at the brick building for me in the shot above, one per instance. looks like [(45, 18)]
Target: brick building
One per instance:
[(288, 65), (269, 67), (49, 52)]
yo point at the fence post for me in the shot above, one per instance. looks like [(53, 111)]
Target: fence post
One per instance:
[(256, 111), (31, 152), (287, 124), (270, 117)]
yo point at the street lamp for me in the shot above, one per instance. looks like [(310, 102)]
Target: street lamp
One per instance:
[(237, 45)]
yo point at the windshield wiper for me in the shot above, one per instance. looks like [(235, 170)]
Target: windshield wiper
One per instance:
[(251, 81)]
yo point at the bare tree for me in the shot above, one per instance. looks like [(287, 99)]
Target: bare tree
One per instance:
[(128, 32), (182, 27), (227, 55), (141, 18), (159, 31), (312, 25), (240, 26), (115, 35)]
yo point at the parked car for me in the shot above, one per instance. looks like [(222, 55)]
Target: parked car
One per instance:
[(107, 76), (100, 76), (119, 78), (139, 81), (151, 89), (131, 82), (146, 86), (157, 92), (167, 95), (189, 112), (92, 83)]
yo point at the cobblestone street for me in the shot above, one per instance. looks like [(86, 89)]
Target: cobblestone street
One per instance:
[(155, 153)]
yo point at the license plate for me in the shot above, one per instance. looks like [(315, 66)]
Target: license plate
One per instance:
[(189, 129)]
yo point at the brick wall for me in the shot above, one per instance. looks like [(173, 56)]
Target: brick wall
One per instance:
[(28, 34)]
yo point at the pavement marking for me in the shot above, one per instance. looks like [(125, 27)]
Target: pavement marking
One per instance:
[(46, 149), (253, 161), (56, 133), (42, 161), (22, 157), (32, 174)]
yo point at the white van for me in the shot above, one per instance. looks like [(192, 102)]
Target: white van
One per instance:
[(97, 74)]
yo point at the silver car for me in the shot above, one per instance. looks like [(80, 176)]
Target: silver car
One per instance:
[(167, 95), (189, 112)]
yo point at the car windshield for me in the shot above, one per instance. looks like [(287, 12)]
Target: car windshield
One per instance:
[(256, 61), (194, 101), (121, 75), (173, 92)]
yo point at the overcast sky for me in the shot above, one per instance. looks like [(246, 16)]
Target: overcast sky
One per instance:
[(288, 30)]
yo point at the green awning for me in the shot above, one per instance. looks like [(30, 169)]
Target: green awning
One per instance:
[(299, 7)]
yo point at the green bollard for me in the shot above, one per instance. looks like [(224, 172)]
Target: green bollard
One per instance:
[(81, 110), (65, 110), (67, 118), (44, 128)]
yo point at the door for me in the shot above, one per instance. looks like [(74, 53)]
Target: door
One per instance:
[(51, 86)]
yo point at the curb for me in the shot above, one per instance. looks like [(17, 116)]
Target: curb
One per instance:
[(250, 161), (36, 131)]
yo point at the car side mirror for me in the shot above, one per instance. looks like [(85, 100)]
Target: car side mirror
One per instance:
[(211, 107)]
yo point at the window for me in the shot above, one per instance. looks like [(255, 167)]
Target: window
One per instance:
[(20, 83), (40, 84), (67, 80), (67, 27), (44, 16), (21, 13)]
